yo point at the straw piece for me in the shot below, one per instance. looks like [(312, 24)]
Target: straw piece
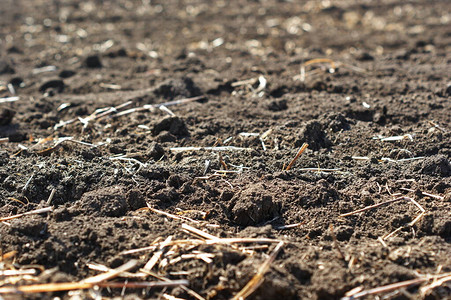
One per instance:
[(111, 273), (386, 288), (33, 212), (18, 272), (371, 207), (156, 257), (220, 148), (300, 151), (258, 278), (198, 232), (9, 99), (67, 286)]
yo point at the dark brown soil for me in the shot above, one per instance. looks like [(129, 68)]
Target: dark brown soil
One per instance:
[(393, 79)]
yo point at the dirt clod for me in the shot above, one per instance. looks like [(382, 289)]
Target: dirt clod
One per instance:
[(252, 207), (174, 125), (6, 116), (93, 62)]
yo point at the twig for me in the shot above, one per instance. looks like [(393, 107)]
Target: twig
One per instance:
[(258, 278), (300, 151)]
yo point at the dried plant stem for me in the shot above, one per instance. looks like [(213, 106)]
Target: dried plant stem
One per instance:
[(371, 207), (438, 280), (33, 212), (258, 278), (300, 151), (188, 290), (111, 273), (68, 286)]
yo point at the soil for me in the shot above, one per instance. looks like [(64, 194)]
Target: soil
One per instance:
[(389, 77)]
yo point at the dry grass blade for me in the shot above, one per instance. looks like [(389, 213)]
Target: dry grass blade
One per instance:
[(257, 280), (300, 151)]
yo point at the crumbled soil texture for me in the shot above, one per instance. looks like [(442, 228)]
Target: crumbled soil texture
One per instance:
[(389, 77)]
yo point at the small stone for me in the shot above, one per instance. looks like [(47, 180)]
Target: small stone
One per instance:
[(93, 62)]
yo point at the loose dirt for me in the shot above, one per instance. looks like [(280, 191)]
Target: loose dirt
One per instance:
[(376, 116)]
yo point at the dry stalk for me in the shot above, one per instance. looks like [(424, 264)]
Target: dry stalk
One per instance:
[(157, 255), (423, 211), (188, 290), (438, 279), (300, 151), (68, 286), (258, 278), (33, 212), (181, 218), (9, 99), (219, 148), (111, 273)]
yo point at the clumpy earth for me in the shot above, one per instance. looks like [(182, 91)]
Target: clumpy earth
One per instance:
[(375, 112)]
